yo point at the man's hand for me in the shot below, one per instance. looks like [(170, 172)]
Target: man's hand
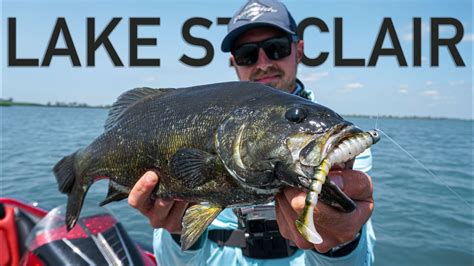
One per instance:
[(334, 226), (161, 213)]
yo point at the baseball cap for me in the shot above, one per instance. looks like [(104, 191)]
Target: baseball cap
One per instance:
[(258, 13)]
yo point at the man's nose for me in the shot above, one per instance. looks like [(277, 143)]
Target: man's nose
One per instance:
[(263, 61)]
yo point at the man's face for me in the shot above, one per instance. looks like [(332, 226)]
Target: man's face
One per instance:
[(281, 73)]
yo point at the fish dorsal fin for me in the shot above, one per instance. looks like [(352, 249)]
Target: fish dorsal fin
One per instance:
[(195, 221), (128, 99)]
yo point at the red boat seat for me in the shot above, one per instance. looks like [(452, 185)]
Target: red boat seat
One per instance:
[(10, 253)]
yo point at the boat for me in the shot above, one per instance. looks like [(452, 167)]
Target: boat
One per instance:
[(32, 235)]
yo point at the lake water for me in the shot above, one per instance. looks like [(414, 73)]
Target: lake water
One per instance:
[(417, 220)]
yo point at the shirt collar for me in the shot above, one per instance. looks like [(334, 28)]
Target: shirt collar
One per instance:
[(299, 88), (302, 92)]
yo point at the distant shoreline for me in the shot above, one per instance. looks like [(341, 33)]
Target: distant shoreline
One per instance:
[(6, 103), (408, 117)]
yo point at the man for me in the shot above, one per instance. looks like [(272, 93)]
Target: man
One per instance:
[(265, 48)]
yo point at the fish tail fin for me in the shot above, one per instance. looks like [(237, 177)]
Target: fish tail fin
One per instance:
[(305, 222), (305, 225), (71, 183), (65, 173)]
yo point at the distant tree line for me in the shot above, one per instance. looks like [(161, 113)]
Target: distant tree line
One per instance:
[(64, 104), (10, 102)]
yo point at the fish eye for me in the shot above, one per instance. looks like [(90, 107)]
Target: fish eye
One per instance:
[(296, 114)]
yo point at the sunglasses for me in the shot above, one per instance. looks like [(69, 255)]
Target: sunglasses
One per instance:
[(275, 48)]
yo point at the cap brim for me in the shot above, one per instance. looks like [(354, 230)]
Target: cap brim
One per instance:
[(231, 36)]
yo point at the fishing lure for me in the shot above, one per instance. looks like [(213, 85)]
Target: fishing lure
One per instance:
[(346, 150)]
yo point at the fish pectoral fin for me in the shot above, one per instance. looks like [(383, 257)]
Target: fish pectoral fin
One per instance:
[(196, 219), (193, 167), (113, 195)]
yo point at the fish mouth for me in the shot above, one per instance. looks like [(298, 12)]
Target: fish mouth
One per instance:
[(317, 147)]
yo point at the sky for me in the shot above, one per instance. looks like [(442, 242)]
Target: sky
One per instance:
[(384, 89)]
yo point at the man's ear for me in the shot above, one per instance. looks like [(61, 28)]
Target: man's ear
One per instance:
[(299, 50)]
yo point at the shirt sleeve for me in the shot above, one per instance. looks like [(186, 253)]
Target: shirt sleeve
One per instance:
[(362, 255), (168, 252)]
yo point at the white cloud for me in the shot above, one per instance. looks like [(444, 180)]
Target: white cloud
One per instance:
[(431, 93), (446, 28), (408, 35), (429, 83), (425, 27), (426, 30), (456, 82), (346, 77), (450, 100), (403, 89), (149, 79), (314, 76), (352, 86), (434, 94), (468, 37)]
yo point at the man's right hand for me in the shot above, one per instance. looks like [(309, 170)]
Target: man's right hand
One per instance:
[(166, 214)]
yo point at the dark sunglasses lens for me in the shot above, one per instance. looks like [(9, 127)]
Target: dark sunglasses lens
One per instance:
[(246, 54), (277, 48)]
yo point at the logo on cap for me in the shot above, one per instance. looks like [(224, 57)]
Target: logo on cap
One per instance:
[(253, 11)]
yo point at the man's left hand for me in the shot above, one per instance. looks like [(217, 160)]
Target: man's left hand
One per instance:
[(335, 227)]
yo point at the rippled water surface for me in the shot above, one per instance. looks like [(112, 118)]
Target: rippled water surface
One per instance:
[(418, 221)]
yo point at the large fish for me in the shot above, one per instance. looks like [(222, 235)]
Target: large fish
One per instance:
[(222, 145)]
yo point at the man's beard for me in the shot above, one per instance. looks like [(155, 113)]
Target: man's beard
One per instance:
[(271, 71)]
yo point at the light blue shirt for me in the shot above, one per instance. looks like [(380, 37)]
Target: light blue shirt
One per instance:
[(168, 252)]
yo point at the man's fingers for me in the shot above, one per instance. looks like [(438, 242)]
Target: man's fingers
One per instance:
[(357, 185), (296, 198), (175, 216), (335, 227), (281, 221), (328, 241), (327, 244), (158, 212), (290, 217), (326, 217), (141, 191)]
